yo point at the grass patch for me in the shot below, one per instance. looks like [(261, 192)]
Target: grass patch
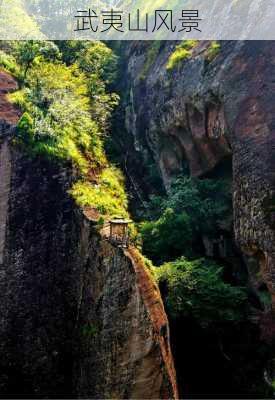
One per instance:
[(8, 63), (181, 53), (212, 51), (108, 196)]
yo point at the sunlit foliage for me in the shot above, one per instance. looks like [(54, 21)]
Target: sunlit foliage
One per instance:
[(66, 108)]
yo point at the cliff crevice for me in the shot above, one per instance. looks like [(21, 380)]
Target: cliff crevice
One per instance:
[(204, 112)]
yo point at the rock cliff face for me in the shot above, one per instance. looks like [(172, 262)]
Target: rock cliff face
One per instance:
[(207, 111), (79, 316)]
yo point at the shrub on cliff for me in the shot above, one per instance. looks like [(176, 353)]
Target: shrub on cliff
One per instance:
[(195, 289), (99, 64), (212, 51), (191, 209), (108, 196), (25, 127), (168, 237), (8, 63), (181, 53), (69, 108), (56, 99), (31, 51)]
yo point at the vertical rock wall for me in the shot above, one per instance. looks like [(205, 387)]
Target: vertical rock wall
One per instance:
[(75, 322), (5, 173), (204, 112)]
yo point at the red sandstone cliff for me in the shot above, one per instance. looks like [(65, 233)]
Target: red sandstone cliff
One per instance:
[(79, 317), (207, 111)]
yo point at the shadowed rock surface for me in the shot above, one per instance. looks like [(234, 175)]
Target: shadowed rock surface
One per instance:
[(211, 116), (203, 113), (80, 318)]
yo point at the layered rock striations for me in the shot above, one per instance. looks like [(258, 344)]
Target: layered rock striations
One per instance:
[(80, 317)]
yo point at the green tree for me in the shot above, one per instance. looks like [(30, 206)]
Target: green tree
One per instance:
[(66, 110), (99, 64), (192, 208), (196, 289), (27, 52), (168, 237), (96, 58)]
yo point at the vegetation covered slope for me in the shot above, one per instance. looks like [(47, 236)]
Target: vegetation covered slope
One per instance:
[(66, 108)]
